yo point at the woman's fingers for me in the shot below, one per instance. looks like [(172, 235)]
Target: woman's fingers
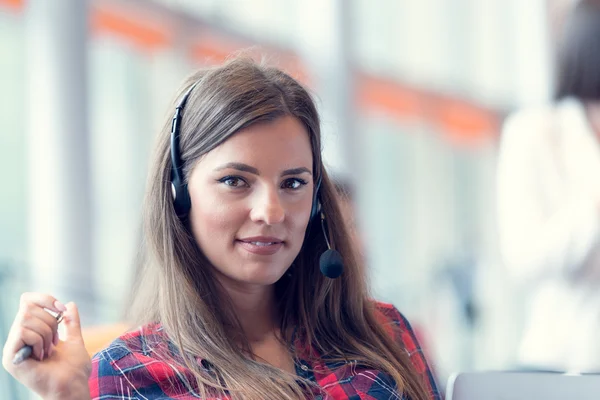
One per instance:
[(34, 303), (21, 334), (35, 340), (17, 339), (41, 300), (41, 322), (72, 324), (34, 326)]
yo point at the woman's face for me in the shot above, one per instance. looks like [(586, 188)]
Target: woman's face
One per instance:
[(251, 201)]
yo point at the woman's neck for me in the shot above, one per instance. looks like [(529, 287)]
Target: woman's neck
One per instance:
[(255, 309)]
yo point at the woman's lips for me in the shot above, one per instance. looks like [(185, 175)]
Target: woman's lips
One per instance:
[(262, 246)]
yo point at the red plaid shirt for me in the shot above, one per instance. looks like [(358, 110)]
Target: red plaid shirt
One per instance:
[(127, 369)]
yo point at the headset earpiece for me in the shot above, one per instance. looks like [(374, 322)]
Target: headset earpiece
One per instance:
[(181, 198), (316, 203)]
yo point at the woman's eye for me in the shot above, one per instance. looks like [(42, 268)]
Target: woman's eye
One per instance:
[(232, 181), (293, 183)]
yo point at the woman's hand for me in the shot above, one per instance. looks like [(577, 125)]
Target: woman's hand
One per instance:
[(56, 369)]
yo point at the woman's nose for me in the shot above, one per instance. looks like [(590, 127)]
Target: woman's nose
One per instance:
[(268, 208)]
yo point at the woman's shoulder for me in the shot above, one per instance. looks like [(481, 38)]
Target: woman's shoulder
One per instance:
[(133, 341), (133, 349), (402, 332), (137, 361), (390, 316)]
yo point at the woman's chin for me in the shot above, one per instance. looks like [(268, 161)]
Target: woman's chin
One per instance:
[(261, 276), (263, 279)]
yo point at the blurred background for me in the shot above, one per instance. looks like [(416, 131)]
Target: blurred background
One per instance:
[(412, 94)]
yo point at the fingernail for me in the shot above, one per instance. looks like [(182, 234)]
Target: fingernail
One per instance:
[(50, 351), (42, 355), (55, 339), (60, 306)]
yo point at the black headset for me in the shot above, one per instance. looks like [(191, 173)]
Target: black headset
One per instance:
[(330, 266), (181, 197)]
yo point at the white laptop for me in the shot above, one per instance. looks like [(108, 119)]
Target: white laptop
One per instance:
[(523, 386)]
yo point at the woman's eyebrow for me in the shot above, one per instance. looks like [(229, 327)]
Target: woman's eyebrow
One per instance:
[(239, 166), (296, 171), (247, 168)]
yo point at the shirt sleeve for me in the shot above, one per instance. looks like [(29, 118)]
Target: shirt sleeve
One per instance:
[(541, 233), (400, 329)]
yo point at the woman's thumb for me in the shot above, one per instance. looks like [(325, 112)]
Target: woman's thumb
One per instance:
[(71, 323)]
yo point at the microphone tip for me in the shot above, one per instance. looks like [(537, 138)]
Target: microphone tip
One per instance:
[(331, 264)]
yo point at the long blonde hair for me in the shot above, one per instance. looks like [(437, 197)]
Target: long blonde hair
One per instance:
[(176, 287)]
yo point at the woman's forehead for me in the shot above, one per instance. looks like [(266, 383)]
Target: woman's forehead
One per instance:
[(279, 144)]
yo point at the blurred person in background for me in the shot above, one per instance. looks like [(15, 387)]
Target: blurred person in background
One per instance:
[(231, 303), (549, 206)]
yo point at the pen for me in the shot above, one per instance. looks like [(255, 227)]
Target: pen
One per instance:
[(25, 351)]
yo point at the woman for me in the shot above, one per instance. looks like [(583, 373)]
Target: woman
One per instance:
[(231, 302), (549, 206)]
